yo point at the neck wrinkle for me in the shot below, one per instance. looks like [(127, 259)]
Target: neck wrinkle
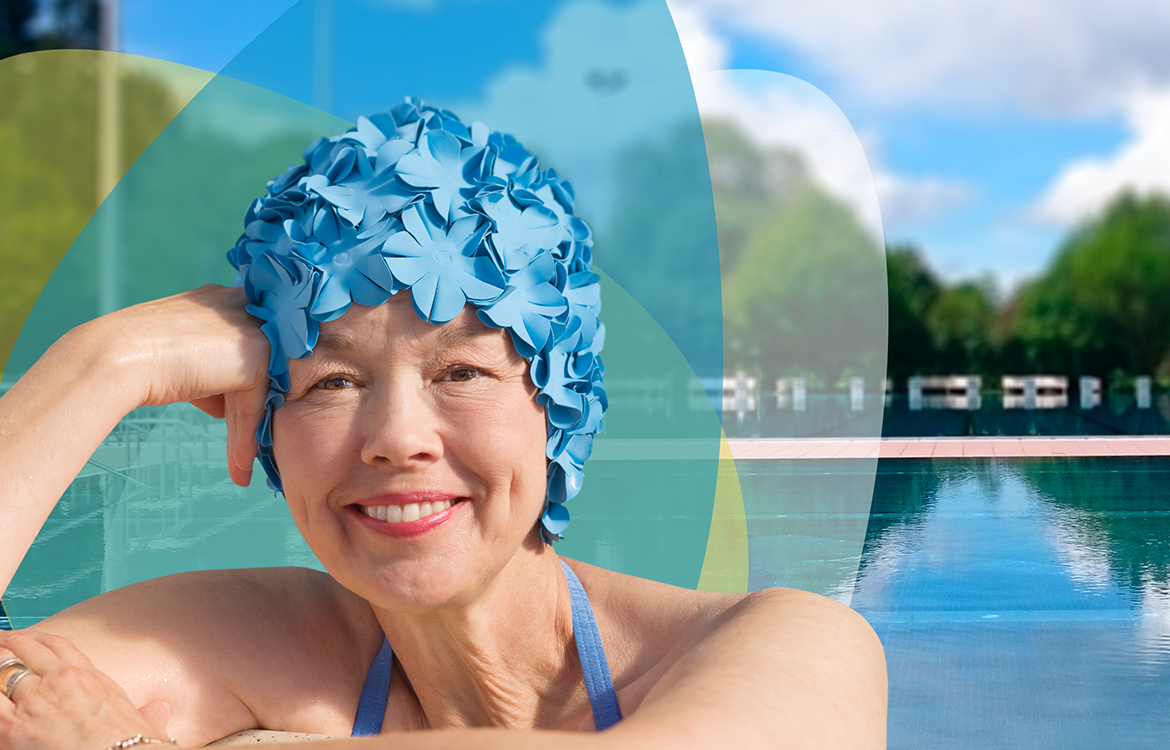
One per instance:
[(506, 660)]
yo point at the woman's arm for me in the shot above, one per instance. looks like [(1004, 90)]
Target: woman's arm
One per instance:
[(230, 650), (779, 669), (197, 346), (782, 669)]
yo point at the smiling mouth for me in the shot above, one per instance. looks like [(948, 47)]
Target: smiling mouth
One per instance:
[(405, 513)]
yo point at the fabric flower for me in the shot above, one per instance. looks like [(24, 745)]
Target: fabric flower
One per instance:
[(439, 264), (344, 260), (519, 233), (281, 291), (437, 167), (527, 307)]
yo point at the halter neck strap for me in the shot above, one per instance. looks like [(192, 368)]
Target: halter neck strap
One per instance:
[(598, 681)]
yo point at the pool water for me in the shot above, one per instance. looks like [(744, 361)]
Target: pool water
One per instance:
[(1023, 603)]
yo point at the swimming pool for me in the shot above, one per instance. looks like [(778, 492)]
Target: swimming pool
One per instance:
[(1022, 603)]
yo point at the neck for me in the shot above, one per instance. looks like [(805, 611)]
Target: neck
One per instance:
[(504, 658)]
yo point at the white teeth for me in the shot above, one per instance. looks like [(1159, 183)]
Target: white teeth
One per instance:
[(404, 513)]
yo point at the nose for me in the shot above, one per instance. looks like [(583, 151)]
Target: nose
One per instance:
[(401, 428)]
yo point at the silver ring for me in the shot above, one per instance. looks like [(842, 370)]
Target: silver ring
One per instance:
[(14, 680), (19, 670), (8, 666)]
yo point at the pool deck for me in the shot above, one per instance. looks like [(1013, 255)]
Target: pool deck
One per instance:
[(746, 449), (965, 447)]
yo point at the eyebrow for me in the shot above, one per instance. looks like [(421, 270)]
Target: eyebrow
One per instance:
[(335, 342)]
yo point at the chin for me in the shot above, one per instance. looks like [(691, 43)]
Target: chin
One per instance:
[(415, 584)]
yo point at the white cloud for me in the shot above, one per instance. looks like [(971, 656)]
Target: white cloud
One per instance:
[(908, 200), (1051, 56), (704, 49), (1141, 165), (608, 78), (774, 109), (779, 110)]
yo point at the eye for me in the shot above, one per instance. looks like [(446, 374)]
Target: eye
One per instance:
[(462, 373), (334, 383)]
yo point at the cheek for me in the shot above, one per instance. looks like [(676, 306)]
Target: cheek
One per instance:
[(533, 436), (307, 445), (506, 449)]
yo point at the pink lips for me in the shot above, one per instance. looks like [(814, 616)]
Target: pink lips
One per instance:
[(408, 515)]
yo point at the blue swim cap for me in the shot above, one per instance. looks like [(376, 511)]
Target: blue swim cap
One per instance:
[(415, 199)]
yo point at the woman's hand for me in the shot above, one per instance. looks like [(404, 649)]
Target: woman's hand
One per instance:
[(200, 346), (64, 703)]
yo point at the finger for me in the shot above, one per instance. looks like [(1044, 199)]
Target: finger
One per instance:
[(212, 406), (36, 655), (62, 647), (245, 409), (158, 713), (19, 683), (12, 669)]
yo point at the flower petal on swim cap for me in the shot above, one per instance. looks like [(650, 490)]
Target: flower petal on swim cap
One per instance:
[(439, 264), (554, 521), (437, 166), (283, 288), (518, 233), (525, 311)]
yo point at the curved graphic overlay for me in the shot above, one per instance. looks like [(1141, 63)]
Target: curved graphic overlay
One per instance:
[(805, 325), (599, 91)]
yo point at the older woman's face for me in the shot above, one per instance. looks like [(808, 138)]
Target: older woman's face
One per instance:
[(392, 419)]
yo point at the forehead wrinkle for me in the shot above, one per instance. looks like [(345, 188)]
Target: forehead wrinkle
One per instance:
[(463, 331)]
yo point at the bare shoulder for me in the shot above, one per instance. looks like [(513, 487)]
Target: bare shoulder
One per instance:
[(213, 643), (283, 602), (777, 667)]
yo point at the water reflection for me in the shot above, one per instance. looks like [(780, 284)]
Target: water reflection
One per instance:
[(1024, 603)]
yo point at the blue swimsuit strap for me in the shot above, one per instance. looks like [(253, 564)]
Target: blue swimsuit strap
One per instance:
[(375, 692), (598, 681)]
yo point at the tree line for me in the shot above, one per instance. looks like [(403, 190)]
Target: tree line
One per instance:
[(1100, 308), (32, 25)]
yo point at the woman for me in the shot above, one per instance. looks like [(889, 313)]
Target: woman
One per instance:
[(425, 447)]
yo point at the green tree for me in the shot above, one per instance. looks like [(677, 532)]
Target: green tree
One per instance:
[(961, 321), (749, 186), (72, 24), (913, 288), (1105, 298), (808, 295), (48, 190)]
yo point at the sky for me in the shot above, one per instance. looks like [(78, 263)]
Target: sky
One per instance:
[(991, 128)]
